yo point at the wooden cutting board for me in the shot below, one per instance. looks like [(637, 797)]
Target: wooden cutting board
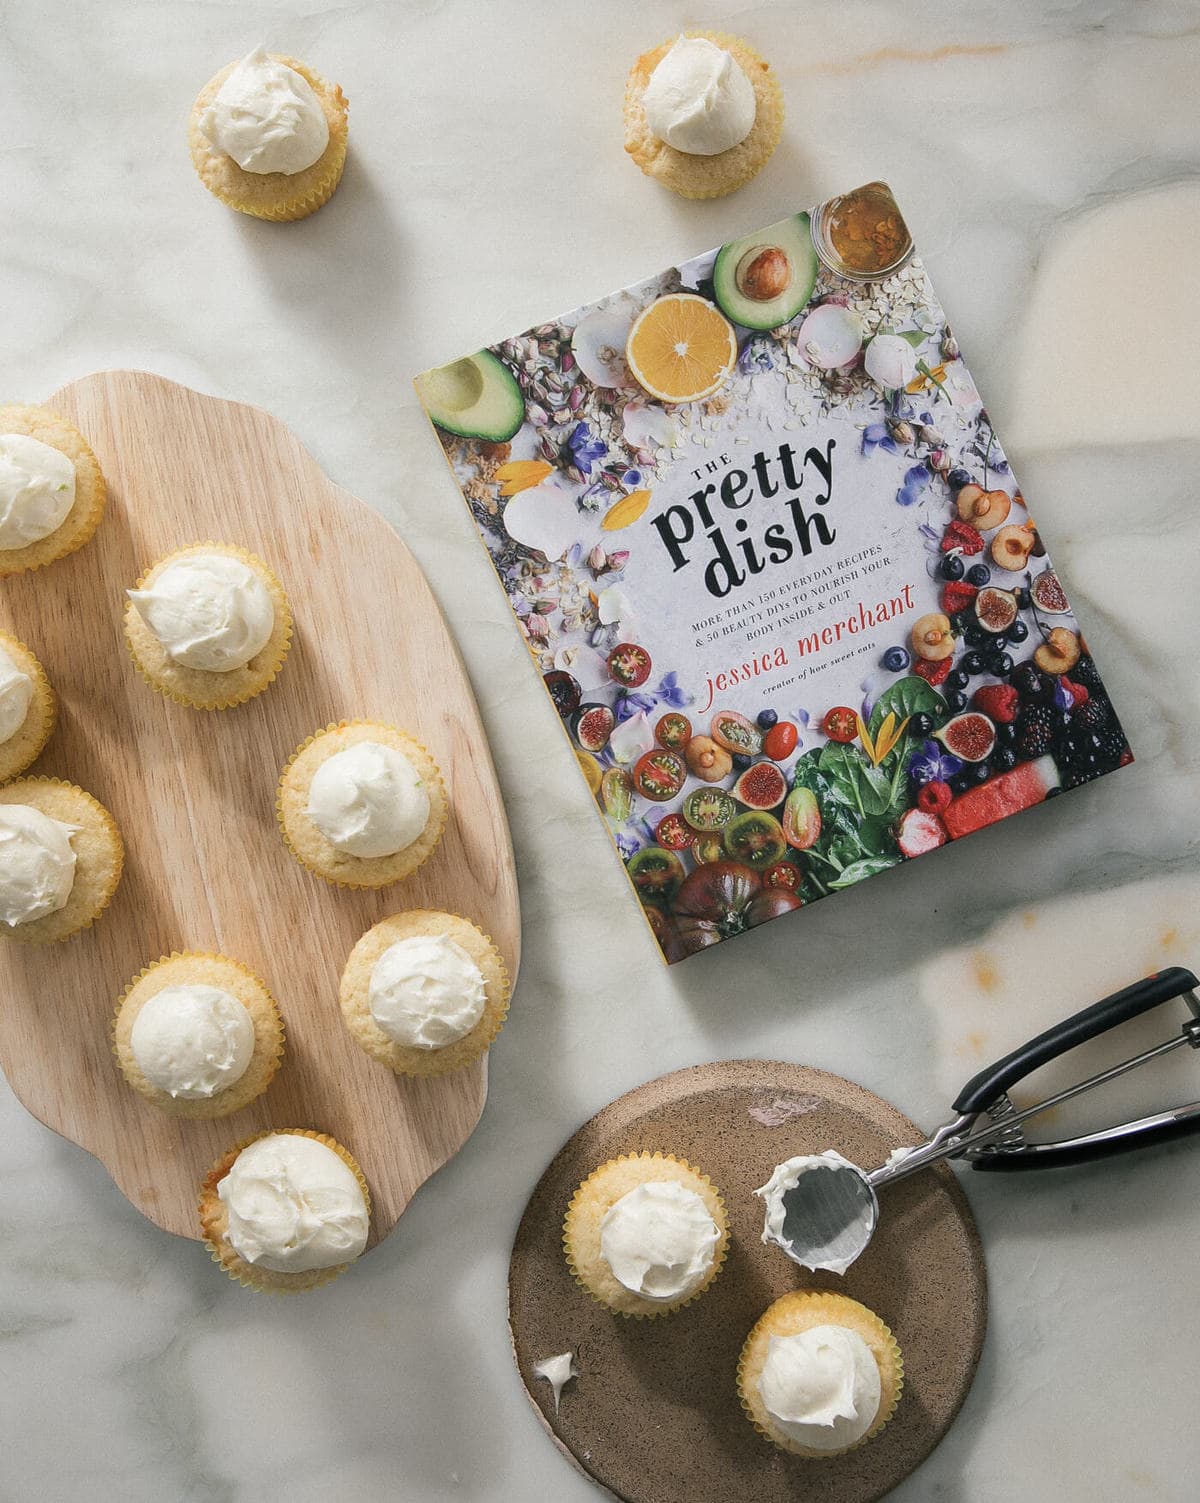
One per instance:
[(654, 1415), (194, 795)]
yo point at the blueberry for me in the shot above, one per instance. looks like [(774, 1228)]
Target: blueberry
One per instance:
[(1024, 598), (1028, 682), (1000, 664), (972, 662), (952, 567), (766, 719), (740, 762), (895, 660), (921, 725), (980, 772), (977, 636), (1004, 757), (956, 479), (978, 574), (1017, 632), (961, 782), (956, 679), (1006, 734), (956, 700)]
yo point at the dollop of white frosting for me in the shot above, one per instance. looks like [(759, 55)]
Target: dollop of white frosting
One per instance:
[(37, 489), (37, 864), (267, 118), (698, 100), (209, 611), (293, 1205), (558, 1372), (192, 1040), (368, 800), (426, 992), (821, 1387), (659, 1240), (16, 692), (785, 1177)]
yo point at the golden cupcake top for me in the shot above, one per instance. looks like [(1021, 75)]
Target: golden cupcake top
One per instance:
[(52, 493)]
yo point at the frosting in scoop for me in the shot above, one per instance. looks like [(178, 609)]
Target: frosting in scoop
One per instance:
[(16, 691), (845, 1247), (698, 100), (192, 1040), (426, 992), (37, 864), (37, 489), (368, 800), (659, 1240), (209, 611), (293, 1205), (821, 1387), (266, 117)]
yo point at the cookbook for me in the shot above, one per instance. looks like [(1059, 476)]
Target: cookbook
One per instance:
[(778, 578)]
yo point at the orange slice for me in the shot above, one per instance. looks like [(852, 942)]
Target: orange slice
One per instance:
[(681, 348)]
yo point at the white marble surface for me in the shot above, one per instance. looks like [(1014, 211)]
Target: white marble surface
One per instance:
[(1039, 148)]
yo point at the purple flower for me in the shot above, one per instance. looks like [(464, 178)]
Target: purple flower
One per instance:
[(929, 532), (628, 845), (628, 705), (930, 764), (632, 480), (1063, 698), (876, 435), (915, 481), (585, 450), (803, 717), (669, 692)]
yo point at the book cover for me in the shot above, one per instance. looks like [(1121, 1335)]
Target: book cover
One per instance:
[(770, 559)]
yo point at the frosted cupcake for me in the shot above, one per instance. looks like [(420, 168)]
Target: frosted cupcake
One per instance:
[(268, 137), (424, 992), (198, 1035), (361, 804), (645, 1234), (819, 1374), (703, 113), (51, 490), (60, 859), (285, 1211), (27, 707), (209, 626)]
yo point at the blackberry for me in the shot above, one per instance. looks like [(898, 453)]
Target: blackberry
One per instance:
[(1031, 683), (961, 782), (979, 772), (1093, 715), (1075, 777), (1112, 747), (1035, 732), (1084, 672), (1003, 758)]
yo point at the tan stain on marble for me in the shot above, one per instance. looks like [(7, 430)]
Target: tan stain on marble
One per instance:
[(1169, 939), (882, 55), (1029, 919), (987, 977)]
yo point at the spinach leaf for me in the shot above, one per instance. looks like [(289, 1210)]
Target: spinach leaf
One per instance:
[(858, 870), (907, 696)]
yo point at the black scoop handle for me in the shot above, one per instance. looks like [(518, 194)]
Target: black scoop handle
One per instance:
[(983, 1089), (1063, 1155)]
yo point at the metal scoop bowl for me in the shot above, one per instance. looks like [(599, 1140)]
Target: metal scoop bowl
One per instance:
[(830, 1213)]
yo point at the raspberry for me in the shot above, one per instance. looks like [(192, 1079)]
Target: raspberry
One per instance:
[(1035, 732), (957, 596), (934, 797), (963, 536), (934, 673), (998, 702)]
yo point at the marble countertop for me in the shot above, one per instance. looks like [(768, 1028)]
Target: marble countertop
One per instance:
[(1047, 157)]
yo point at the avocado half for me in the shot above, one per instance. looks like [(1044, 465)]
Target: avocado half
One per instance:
[(798, 273), (476, 397)]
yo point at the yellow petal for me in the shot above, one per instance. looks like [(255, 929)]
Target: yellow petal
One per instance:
[(935, 377), (520, 474), (864, 736), (885, 745), (626, 511)]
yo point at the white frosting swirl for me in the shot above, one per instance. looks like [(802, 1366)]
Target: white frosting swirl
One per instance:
[(426, 992), (659, 1240), (209, 611), (267, 118), (37, 864), (16, 691), (192, 1040), (37, 489), (293, 1205), (821, 1387), (698, 100), (368, 800)]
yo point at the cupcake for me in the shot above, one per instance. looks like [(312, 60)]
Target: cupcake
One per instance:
[(645, 1234), (27, 707), (51, 490), (424, 992), (198, 1035), (819, 1374), (361, 804), (60, 859), (208, 626), (703, 113), (285, 1210), (268, 137)]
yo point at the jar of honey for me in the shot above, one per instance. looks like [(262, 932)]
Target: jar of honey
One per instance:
[(862, 235)]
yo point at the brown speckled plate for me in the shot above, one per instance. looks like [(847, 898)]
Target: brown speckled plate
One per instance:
[(654, 1415)]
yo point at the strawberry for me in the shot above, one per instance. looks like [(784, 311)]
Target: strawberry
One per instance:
[(934, 797), (963, 536), (933, 673), (1078, 692), (957, 596), (999, 702)]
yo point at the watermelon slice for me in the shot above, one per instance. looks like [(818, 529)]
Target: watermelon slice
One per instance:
[(1009, 793)]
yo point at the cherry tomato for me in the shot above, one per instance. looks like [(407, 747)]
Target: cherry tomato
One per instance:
[(782, 874), (780, 741), (655, 873), (629, 664), (736, 734), (673, 731), (659, 775), (674, 833), (840, 724)]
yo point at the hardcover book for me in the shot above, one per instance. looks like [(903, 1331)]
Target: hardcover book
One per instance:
[(773, 567)]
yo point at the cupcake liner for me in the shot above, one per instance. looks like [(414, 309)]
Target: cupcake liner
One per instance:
[(212, 1221), (91, 492), (377, 871), (89, 897), (356, 977), (274, 196), (645, 1309), (193, 687), (25, 746), (825, 1309), (685, 173), (260, 1072)]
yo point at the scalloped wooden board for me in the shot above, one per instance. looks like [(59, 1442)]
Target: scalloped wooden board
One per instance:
[(194, 795)]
